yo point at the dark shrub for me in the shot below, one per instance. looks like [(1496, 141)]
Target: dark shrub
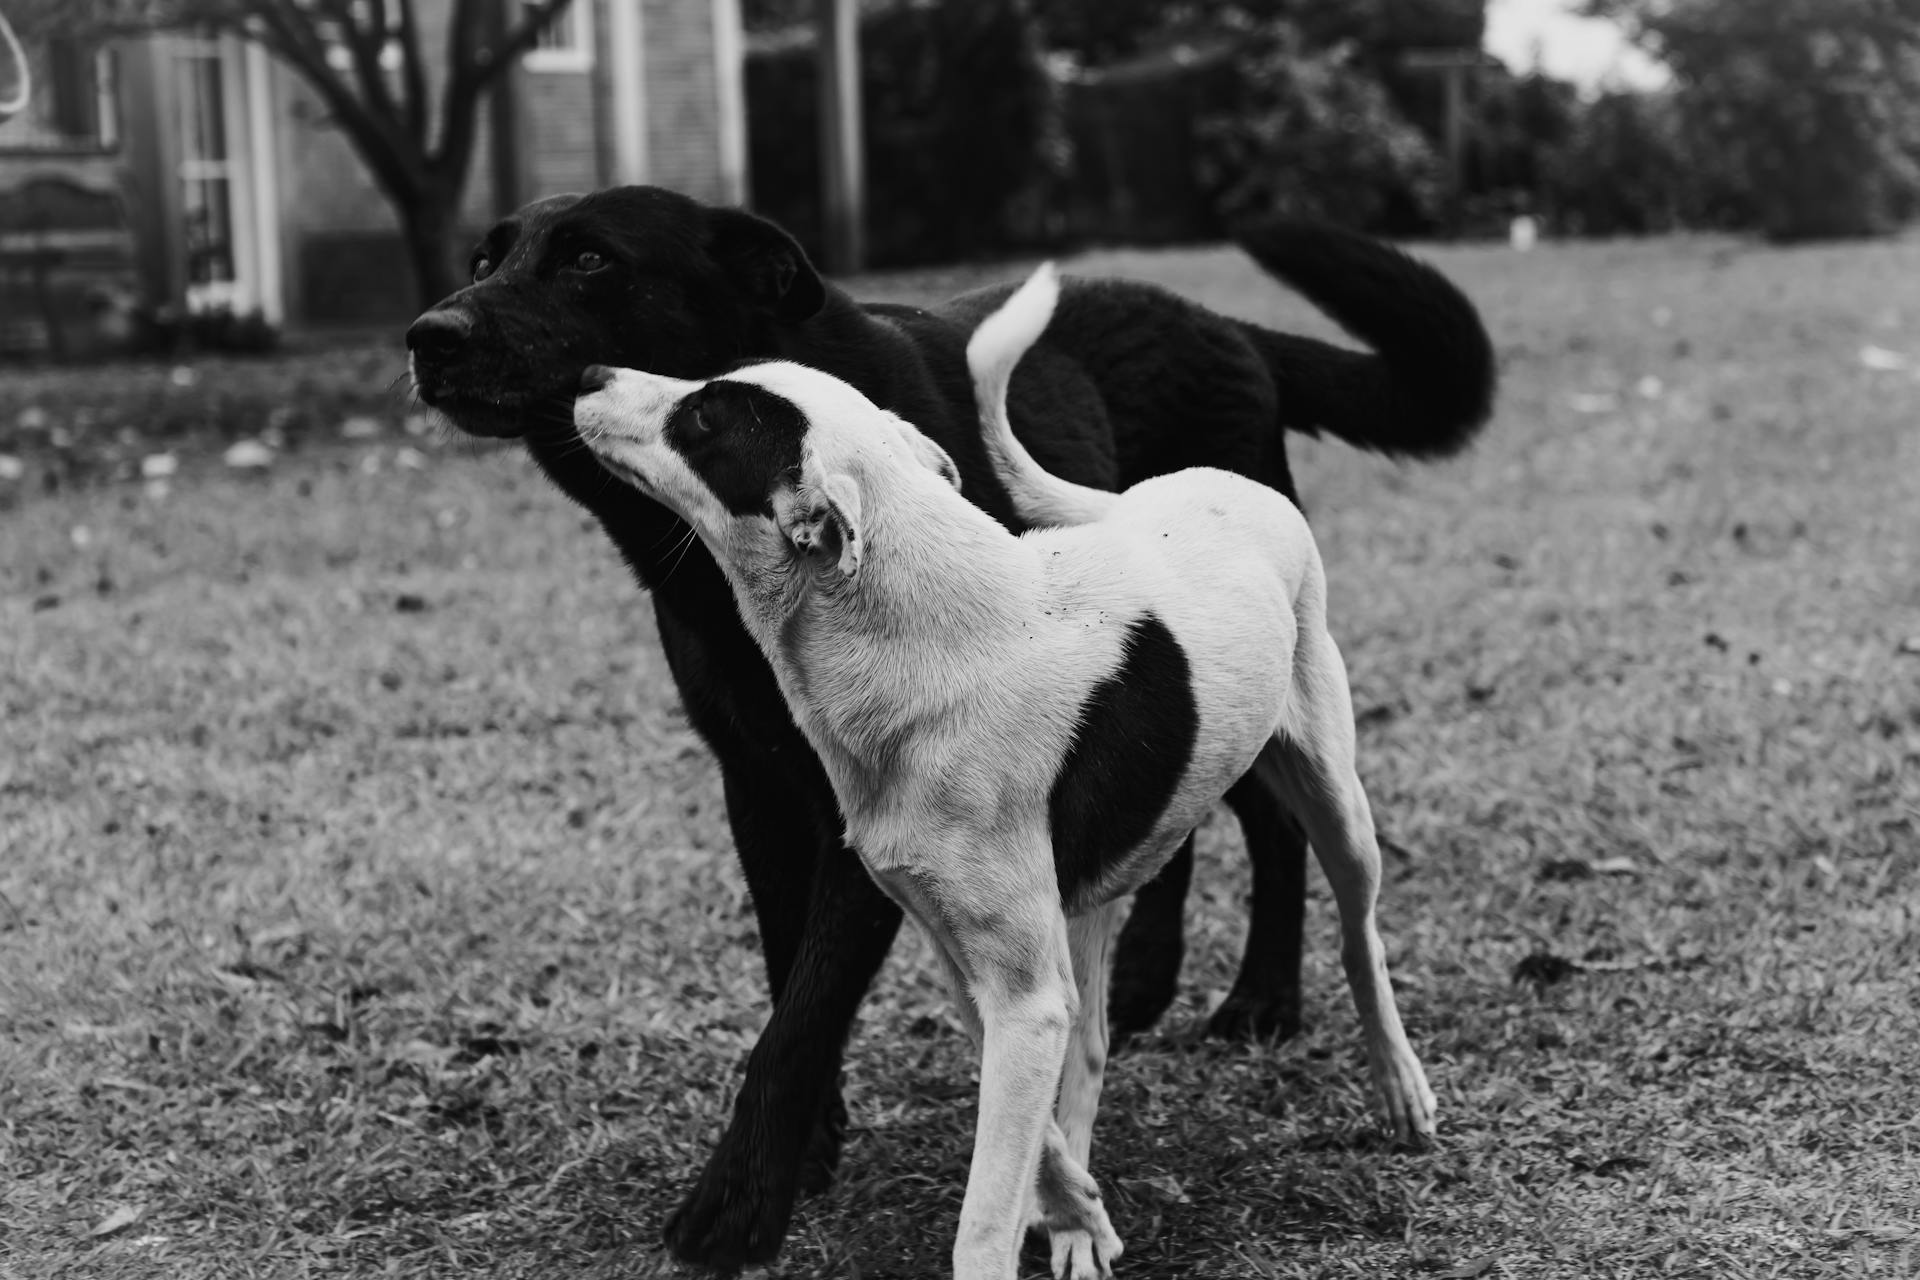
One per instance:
[(961, 120), (1309, 134)]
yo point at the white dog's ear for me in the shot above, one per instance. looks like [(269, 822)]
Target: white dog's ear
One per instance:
[(934, 456), (822, 518), (931, 455)]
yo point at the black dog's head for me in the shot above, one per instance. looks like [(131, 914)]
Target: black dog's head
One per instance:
[(633, 277)]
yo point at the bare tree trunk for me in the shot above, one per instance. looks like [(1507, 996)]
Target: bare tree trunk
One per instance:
[(429, 223)]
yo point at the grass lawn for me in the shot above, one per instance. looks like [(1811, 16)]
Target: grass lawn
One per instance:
[(367, 906)]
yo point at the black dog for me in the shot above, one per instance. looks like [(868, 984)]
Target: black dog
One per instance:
[(1130, 380)]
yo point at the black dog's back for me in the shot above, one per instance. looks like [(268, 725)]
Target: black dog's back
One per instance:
[(1064, 413), (1422, 391)]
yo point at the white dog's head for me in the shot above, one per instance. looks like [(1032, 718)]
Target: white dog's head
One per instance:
[(775, 466)]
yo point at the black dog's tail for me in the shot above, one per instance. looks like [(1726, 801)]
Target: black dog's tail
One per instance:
[(1429, 387)]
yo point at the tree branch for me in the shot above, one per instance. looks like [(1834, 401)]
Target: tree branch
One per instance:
[(521, 38), (413, 76), (475, 66), (365, 44), (289, 32), (460, 103)]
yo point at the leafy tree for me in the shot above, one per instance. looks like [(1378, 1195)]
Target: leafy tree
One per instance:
[(1520, 124), (1814, 104), (1309, 136), (1103, 31), (960, 121), (417, 143)]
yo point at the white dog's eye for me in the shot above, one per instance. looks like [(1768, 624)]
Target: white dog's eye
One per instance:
[(482, 268), (698, 423), (589, 261)]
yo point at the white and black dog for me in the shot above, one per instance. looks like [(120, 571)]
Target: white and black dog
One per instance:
[(1020, 730)]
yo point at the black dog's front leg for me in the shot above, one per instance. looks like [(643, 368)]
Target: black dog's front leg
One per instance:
[(780, 838), (738, 1211), (1146, 960)]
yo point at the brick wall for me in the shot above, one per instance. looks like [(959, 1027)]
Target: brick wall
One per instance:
[(562, 118), (683, 109)]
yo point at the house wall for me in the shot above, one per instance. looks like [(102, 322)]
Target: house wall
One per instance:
[(66, 280), (344, 259), (32, 146), (683, 104), (562, 119)]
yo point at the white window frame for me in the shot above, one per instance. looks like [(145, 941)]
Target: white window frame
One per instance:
[(577, 53), (106, 99)]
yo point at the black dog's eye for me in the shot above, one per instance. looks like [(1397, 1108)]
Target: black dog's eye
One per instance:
[(482, 268), (589, 261)]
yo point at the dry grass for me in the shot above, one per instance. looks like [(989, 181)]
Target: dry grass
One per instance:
[(367, 906)]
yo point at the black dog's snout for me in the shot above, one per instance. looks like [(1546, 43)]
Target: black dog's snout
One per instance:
[(594, 377), (440, 334)]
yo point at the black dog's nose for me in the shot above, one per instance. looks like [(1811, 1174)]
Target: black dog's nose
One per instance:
[(440, 334), (594, 377)]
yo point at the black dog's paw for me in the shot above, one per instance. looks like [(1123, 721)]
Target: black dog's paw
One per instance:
[(1146, 977), (734, 1216), (1255, 1018), (822, 1160), (1133, 1010)]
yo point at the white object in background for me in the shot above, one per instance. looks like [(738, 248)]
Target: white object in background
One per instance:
[(1523, 232), (248, 455), (16, 85)]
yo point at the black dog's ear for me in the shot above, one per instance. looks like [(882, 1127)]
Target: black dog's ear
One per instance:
[(768, 265)]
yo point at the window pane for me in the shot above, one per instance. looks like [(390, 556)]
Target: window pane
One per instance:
[(559, 34), (203, 131), (207, 209)]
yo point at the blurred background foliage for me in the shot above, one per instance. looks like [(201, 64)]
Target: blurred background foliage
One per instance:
[(1002, 124)]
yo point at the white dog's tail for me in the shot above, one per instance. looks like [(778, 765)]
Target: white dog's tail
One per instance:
[(1039, 497)]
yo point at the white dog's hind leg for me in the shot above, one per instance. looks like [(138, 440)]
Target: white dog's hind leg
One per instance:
[(1091, 937), (1317, 743)]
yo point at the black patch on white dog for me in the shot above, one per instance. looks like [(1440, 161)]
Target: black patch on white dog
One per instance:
[(741, 439), (1134, 742)]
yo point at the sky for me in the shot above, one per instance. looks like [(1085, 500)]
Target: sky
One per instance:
[(1548, 33)]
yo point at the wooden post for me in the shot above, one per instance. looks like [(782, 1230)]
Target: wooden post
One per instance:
[(842, 160), (1453, 67)]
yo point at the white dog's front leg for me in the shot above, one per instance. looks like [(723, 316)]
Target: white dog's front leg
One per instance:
[(1021, 982), (1068, 1208), (1007, 958)]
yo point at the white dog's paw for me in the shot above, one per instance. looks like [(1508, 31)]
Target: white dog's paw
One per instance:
[(1086, 1252), (1405, 1097)]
